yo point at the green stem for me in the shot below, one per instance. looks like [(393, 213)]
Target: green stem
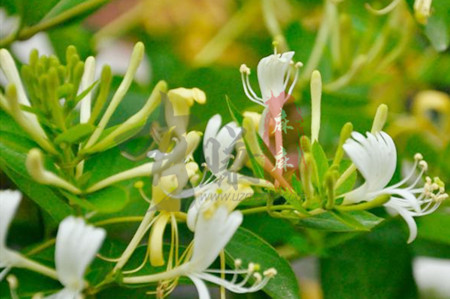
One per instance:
[(377, 202), (119, 220), (143, 227), (265, 209), (28, 32)]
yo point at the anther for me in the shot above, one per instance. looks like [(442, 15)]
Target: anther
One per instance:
[(270, 272), (424, 165), (237, 263), (258, 277), (139, 185), (244, 69), (418, 157)]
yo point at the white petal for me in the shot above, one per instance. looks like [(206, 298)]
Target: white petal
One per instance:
[(272, 71), (431, 276), (76, 246), (218, 145), (406, 215), (9, 202), (375, 157), (202, 290), (227, 138), (212, 128), (211, 236)]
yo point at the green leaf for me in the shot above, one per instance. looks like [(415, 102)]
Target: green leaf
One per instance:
[(235, 113), (108, 200), (250, 248), (321, 160), (75, 134), (45, 197), (375, 265), (331, 222), (435, 227), (13, 152), (64, 5), (349, 220)]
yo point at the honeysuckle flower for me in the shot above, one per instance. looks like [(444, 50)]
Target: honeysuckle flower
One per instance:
[(77, 243), (227, 187), (9, 202), (177, 110), (218, 143), (375, 157), (274, 72), (213, 231)]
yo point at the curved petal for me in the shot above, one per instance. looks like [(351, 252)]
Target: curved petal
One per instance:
[(406, 215), (9, 202), (227, 138), (76, 246), (211, 130), (202, 290), (212, 233)]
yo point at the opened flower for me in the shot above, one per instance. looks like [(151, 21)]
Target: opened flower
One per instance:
[(213, 231), (227, 187), (375, 157), (76, 246), (274, 72)]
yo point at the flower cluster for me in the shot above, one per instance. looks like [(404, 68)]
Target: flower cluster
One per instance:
[(66, 112)]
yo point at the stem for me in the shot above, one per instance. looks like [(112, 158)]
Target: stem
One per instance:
[(268, 166), (175, 272), (119, 220), (345, 176), (41, 247), (28, 32), (142, 229), (379, 201), (265, 209), (321, 40), (36, 267)]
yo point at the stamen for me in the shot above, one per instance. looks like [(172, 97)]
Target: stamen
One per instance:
[(424, 165), (250, 89), (271, 272), (275, 45), (258, 277), (294, 81)]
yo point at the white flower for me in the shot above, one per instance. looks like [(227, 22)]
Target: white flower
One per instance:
[(9, 202), (76, 246), (274, 72), (225, 186), (375, 157), (218, 144), (213, 231)]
